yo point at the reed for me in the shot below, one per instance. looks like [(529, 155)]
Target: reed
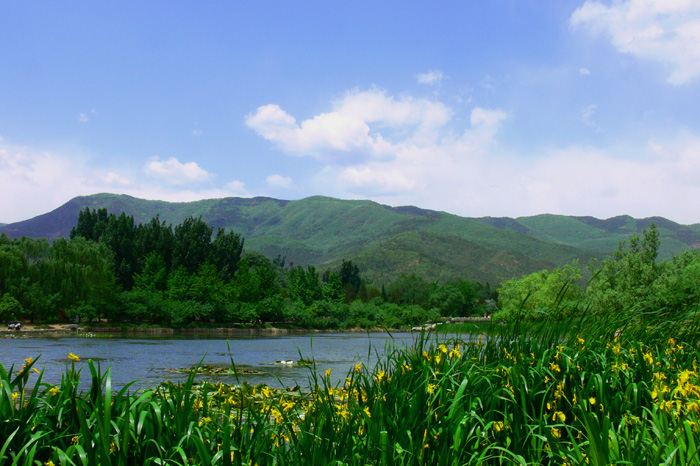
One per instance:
[(597, 393)]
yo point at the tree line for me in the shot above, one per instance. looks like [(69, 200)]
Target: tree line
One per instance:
[(114, 268), (631, 282)]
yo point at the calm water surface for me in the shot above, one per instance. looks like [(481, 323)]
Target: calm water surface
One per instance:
[(149, 361)]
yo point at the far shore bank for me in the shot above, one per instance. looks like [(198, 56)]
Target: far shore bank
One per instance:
[(60, 329)]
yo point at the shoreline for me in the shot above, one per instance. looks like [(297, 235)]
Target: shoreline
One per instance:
[(61, 329)]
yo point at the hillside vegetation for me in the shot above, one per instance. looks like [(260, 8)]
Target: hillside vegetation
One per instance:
[(385, 241)]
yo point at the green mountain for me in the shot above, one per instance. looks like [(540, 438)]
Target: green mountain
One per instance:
[(601, 236), (384, 241)]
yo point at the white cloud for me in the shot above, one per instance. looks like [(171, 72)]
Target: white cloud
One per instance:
[(197, 132), (174, 172), (112, 178), (361, 125), (487, 118), (584, 71), (375, 179), (34, 181), (666, 31), (433, 77), (468, 170), (237, 188), (279, 182)]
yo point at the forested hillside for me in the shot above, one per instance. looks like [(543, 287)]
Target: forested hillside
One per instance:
[(385, 241), (192, 274)]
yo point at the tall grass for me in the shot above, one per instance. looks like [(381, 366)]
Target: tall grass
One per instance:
[(595, 393)]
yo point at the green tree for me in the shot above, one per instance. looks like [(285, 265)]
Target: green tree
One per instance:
[(676, 291), (257, 278), (624, 281), (304, 284), (350, 278), (154, 275), (552, 293), (10, 308), (155, 237), (448, 300), (410, 289), (333, 288), (226, 253), (179, 283), (192, 244)]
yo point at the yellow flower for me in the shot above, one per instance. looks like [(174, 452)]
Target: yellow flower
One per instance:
[(366, 411), (328, 373), (380, 375), (455, 353), (112, 447), (556, 433), (442, 348), (431, 388), (592, 400), (54, 391), (74, 440), (49, 463), (358, 367), (73, 357), (498, 426), (559, 416)]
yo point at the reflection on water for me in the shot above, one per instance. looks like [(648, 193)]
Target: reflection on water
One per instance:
[(150, 361)]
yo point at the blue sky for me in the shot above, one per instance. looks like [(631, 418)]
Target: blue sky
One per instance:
[(500, 108)]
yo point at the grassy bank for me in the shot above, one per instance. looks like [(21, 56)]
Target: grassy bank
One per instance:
[(536, 397)]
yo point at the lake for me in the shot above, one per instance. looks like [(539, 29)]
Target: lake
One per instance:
[(151, 360)]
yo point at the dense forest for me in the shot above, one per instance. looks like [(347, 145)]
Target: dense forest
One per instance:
[(116, 269)]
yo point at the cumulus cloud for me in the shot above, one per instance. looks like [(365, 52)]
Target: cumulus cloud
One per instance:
[(362, 124), (465, 168), (433, 77), (174, 172), (279, 182), (112, 178), (666, 31), (34, 181), (237, 188)]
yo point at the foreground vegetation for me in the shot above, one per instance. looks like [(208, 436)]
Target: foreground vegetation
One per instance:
[(618, 392)]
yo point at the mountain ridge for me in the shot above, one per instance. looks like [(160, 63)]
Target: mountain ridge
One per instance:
[(385, 241)]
